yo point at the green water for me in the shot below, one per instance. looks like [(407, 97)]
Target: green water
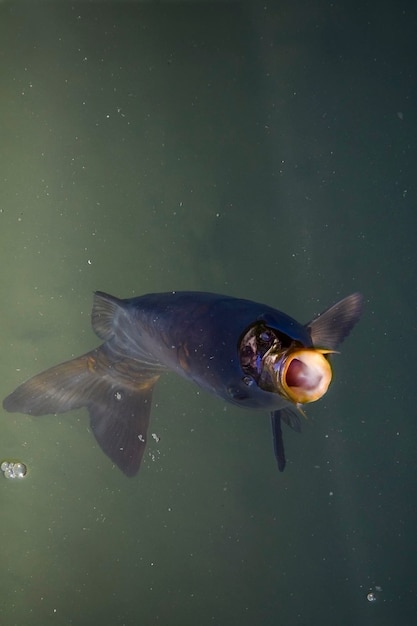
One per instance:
[(257, 151)]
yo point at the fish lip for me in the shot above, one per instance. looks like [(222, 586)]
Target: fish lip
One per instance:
[(318, 373)]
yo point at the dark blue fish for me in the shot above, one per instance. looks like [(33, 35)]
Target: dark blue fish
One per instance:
[(246, 353)]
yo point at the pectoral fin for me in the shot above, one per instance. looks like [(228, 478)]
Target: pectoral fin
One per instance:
[(278, 440), (117, 394), (292, 419), (331, 327)]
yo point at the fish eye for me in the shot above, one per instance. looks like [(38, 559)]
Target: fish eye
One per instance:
[(266, 336)]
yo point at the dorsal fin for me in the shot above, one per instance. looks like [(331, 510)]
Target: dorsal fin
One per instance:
[(105, 307)]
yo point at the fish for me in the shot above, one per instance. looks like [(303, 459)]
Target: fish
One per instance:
[(244, 352)]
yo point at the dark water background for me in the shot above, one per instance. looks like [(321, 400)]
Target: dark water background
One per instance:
[(265, 151)]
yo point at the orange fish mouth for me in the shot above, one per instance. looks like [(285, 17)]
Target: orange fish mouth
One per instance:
[(304, 375)]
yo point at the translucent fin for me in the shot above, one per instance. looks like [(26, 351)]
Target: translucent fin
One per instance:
[(332, 326), (56, 390), (291, 418), (117, 394), (105, 307), (119, 421)]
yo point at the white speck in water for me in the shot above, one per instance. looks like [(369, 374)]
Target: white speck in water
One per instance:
[(373, 593)]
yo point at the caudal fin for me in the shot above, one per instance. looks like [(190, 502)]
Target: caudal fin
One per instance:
[(118, 396)]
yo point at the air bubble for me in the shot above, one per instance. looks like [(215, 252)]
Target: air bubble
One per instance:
[(14, 470)]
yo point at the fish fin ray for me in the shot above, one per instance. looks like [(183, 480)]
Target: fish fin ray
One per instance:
[(104, 309), (58, 389), (117, 397), (291, 418), (120, 423), (332, 326)]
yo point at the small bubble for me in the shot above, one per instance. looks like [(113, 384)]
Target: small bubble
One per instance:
[(373, 593), (13, 470)]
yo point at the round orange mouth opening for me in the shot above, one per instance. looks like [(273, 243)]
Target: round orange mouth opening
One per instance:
[(305, 375)]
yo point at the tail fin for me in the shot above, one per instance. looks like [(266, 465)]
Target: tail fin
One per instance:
[(117, 394)]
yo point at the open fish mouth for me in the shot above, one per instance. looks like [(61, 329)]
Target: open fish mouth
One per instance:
[(301, 375)]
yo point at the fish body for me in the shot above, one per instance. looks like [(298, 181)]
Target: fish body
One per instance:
[(247, 353), (196, 335)]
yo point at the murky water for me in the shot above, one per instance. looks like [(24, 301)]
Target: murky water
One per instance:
[(262, 153)]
